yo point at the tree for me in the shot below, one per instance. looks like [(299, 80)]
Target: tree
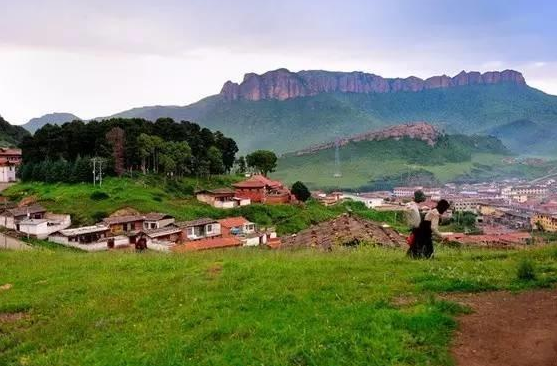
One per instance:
[(263, 160), (241, 162), (214, 157), (300, 191), (419, 196), (116, 138), (228, 148)]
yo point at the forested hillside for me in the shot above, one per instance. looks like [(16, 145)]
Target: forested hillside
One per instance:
[(63, 152), (11, 135)]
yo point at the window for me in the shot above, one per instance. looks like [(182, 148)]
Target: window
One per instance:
[(153, 225), (190, 231), (209, 228)]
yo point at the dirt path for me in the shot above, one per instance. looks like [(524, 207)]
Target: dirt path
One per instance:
[(507, 329)]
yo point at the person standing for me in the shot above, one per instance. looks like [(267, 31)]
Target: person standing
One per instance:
[(428, 228), (414, 218)]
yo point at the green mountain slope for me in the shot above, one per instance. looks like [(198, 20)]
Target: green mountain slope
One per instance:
[(11, 135), (526, 136), (367, 165), (295, 123)]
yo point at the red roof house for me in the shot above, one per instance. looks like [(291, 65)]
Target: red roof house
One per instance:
[(262, 189)]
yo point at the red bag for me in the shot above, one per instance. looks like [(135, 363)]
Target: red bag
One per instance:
[(411, 239)]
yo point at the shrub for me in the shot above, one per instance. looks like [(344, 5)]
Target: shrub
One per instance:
[(99, 195), (99, 215), (526, 270)]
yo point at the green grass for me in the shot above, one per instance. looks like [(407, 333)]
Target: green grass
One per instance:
[(87, 204), (366, 306)]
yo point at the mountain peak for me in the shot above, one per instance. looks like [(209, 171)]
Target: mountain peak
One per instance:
[(283, 84), (53, 118)]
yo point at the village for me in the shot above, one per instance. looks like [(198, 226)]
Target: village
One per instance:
[(506, 214)]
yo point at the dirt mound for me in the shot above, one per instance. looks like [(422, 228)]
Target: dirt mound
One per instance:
[(508, 329), (127, 211)]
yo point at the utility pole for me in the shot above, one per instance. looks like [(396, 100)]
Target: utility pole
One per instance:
[(97, 170)]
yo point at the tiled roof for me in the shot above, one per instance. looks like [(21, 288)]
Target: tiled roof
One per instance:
[(198, 222), (249, 184), (218, 191), (9, 151), (123, 219), (163, 231), (84, 230), (22, 211), (233, 221), (155, 216), (205, 244)]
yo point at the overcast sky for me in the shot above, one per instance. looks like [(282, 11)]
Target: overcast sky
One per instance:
[(96, 58)]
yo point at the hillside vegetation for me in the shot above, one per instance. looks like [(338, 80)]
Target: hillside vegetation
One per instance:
[(382, 164), (10, 135), (365, 306), (296, 123)]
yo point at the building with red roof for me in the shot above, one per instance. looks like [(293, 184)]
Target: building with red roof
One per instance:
[(259, 188), (9, 160)]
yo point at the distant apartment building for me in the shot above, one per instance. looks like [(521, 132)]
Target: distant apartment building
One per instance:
[(545, 222), (521, 193), (466, 205), (406, 192)]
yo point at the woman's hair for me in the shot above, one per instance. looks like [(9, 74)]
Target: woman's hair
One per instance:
[(442, 206)]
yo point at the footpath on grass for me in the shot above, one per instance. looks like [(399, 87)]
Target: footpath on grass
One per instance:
[(507, 329)]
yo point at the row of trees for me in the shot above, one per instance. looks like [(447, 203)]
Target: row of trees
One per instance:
[(80, 170), (132, 145)]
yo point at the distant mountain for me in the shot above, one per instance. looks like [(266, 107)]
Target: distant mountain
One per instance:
[(52, 118), (527, 137), (399, 155), (282, 84), (11, 135), (286, 111)]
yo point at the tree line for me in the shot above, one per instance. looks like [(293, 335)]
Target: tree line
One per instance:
[(126, 145)]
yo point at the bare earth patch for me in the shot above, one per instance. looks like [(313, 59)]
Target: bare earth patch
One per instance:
[(507, 329), (11, 317)]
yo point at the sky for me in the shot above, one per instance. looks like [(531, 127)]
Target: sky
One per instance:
[(97, 58)]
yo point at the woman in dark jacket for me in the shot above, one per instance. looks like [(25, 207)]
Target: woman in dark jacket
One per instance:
[(423, 247)]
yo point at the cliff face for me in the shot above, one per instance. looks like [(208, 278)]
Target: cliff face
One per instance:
[(417, 131), (282, 84)]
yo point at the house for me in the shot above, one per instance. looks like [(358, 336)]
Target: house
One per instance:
[(200, 229), (10, 218), (10, 159), (81, 236), (155, 220), (245, 231), (124, 224), (263, 190), (161, 239), (7, 171), (222, 198), (369, 201), (42, 228), (11, 155), (233, 226)]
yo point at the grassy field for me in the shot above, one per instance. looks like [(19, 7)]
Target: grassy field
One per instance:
[(147, 194), (366, 306)]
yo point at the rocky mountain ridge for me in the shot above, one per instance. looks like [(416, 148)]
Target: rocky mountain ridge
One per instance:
[(417, 131), (283, 84)]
